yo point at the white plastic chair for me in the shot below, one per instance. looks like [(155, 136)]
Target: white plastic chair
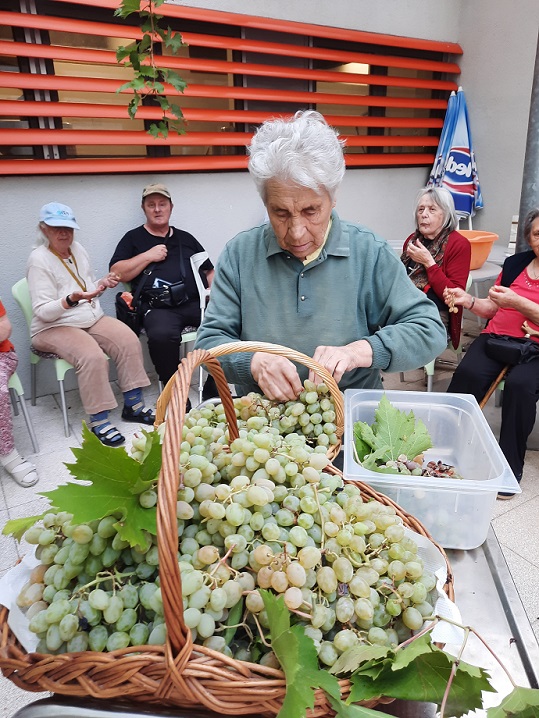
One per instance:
[(197, 260)]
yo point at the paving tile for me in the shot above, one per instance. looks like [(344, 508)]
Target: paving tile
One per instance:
[(13, 698), (518, 530), (522, 572)]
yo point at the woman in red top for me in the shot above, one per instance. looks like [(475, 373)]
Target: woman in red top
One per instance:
[(513, 300), (436, 255), (18, 468)]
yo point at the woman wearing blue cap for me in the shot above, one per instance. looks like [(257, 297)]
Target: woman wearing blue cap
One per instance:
[(68, 320)]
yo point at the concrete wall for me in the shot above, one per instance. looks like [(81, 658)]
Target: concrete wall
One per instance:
[(499, 42)]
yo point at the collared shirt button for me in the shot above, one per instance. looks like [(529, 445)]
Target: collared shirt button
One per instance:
[(302, 297)]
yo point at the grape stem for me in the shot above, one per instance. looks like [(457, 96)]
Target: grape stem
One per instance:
[(222, 561), (102, 577), (322, 522), (261, 633)]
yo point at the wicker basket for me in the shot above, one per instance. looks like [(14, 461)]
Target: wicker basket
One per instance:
[(180, 673)]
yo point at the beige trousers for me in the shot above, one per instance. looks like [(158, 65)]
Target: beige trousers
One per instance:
[(84, 349)]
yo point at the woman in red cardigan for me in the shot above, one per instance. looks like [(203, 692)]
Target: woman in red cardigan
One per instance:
[(436, 255)]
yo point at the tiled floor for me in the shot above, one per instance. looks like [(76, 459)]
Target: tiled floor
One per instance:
[(516, 522)]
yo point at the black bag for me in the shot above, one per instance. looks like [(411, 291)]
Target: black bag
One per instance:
[(132, 314), (511, 350), (170, 296)]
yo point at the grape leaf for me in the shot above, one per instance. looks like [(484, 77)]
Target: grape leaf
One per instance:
[(401, 432), (353, 657), (342, 710), (393, 433), (298, 658), (425, 679), (520, 703), (18, 527), (115, 480)]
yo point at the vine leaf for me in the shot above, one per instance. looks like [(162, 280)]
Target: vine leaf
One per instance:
[(520, 703), (343, 710), (353, 657), (421, 673), (18, 527), (297, 655), (113, 481), (148, 76)]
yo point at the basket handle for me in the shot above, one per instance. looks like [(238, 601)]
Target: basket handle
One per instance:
[(173, 400), (295, 356)]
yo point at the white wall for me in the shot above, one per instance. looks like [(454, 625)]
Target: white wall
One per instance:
[(499, 41)]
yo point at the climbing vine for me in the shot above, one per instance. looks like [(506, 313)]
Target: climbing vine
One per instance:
[(149, 78)]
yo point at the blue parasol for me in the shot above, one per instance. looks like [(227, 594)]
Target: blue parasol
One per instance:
[(454, 167)]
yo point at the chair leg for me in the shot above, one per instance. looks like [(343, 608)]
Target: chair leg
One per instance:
[(67, 430), (429, 382), (401, 376), (160, 386), (29, 424), (33, 383), (14, 396)]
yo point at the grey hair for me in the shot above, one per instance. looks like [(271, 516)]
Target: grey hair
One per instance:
[(41, 237), (303, 150), (528, 221), (444, 199)]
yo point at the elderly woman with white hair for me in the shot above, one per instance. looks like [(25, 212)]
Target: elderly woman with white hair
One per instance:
[(311, 281), (68, 321), (436, 256)]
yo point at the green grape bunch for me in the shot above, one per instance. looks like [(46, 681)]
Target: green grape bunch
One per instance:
[(264, 511)]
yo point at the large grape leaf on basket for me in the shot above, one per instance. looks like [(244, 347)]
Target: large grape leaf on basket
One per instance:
[(297, 655), (113, 482), (393, 433)]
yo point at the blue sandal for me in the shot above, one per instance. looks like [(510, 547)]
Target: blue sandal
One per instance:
[(144, 416), (106, 433)]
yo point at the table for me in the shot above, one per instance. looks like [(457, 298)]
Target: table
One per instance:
[(487, 273), (488, 601)]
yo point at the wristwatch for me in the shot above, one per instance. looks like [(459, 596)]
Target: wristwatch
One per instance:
[(70, 302)]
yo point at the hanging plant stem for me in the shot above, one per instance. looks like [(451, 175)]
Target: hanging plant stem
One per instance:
[(148, 77)]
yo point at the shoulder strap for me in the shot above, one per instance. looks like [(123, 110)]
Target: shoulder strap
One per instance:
[(147, 272), (180, 243)]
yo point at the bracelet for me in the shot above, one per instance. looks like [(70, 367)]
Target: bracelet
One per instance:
[(70, 302), (471, 305)]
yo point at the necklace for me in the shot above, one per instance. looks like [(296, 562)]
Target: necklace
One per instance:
[(72, 259)]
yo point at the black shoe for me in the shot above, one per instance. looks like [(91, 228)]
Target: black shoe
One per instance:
[(504, 496), (144, 416)]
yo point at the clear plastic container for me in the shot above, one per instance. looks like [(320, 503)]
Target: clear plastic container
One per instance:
[(456, 512)]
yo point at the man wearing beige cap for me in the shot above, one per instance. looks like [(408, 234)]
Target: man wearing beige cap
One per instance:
[(158, 255)]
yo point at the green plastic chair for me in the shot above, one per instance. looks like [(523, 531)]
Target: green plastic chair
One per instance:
[(21, 293), (17, 394)]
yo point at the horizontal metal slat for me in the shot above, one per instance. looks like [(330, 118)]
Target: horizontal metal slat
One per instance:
[(22, 108), (179, 164), (27, 137), (88, 84)]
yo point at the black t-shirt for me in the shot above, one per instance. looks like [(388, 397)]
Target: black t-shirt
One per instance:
[(139, 240)]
